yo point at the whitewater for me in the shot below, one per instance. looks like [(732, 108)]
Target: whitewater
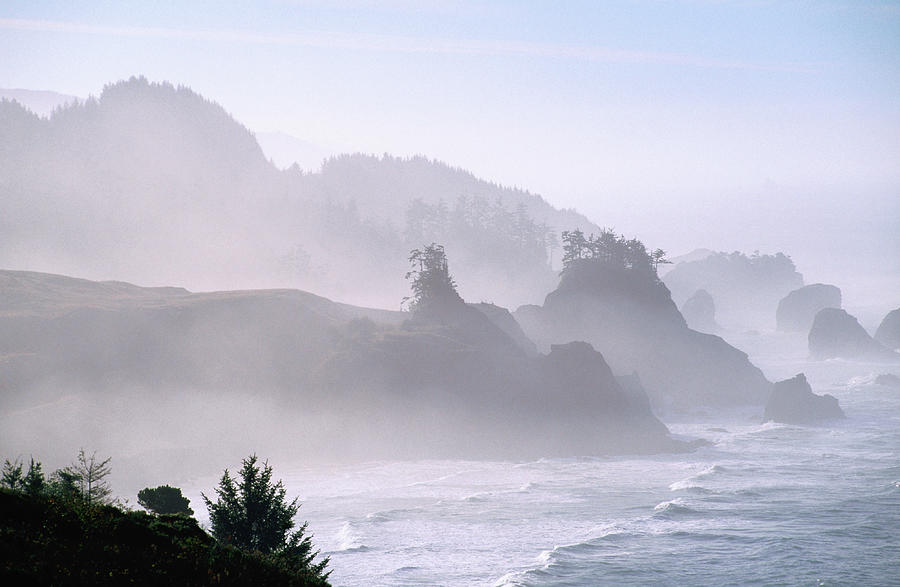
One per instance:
[(766, 504)]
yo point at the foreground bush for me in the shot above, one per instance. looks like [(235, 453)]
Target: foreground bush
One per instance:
[(52, 541)]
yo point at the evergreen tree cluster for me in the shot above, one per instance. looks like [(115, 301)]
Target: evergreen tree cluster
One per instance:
[(83, 481), (430, 278), (611, 249), (484, 230), (67, 529)]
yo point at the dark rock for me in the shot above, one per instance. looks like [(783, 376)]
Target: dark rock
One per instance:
[(630, 318), (837, 334), (797, 310), (503, 319), (746, 288), (888, 379), (888, 332), (793, 402), (699, 312), (452, 381)]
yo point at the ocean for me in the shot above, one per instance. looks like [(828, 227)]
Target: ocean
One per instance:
[(762, 504)]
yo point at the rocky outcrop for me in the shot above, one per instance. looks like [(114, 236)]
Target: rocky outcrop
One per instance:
[(797, 310), (503, 319), (746, 288), (888, 380), (630, 318), (888, 332), (452, 381), (793, 402), (835, 334), (699, 312)]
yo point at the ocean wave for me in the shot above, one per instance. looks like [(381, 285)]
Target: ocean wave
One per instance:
[(563, 560), (348, 539), (691, 482), (400, 514), (674, 507), (478, 497)]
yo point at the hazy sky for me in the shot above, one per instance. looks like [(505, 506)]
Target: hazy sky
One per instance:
[(617, 108)]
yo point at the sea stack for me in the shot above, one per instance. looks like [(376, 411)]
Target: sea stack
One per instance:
[(797, 310), (793, 402)]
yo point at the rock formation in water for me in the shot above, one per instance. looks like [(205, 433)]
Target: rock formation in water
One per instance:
[(793, 402), (746, 288), (836, 334), (797, 310), (888, 332), (888, 379), (699, 312), (629, 317), (360, 383)]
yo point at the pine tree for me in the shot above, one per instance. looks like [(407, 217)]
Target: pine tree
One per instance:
[(92, 475), (430, 279), (252, 513), (164, 500)]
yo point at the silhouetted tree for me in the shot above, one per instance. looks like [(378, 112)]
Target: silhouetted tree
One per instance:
[(609, 249), (65, 484), (430, 278), (12, 476), (164, 500), (252, 513), (92, 475)]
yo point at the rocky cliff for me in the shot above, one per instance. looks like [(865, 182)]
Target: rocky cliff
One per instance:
[(337, 380), (888, 332), (797, 310), (793, 402), (837, 334), (630, 318)]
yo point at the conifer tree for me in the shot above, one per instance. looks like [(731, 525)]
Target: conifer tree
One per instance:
[(252, 513)]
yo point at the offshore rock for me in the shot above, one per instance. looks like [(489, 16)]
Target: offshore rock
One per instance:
[(793, 402)]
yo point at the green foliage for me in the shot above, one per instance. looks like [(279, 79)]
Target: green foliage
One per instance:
[(46, 541), (164, 500), (12, 477), (84, 480), (65, 484), (483, 233), (430, 278), (34, 482), (251, 513), (610, 249), (92, 477)]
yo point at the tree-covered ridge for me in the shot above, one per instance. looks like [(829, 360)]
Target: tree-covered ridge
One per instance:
[(147, 171), (609, 249), (478, 227), (50, 541), (66, 529)]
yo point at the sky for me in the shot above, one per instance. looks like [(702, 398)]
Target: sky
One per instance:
[(690, 123)]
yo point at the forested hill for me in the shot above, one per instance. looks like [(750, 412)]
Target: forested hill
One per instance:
[(155, 184)]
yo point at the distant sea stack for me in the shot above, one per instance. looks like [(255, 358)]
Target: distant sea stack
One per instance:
[(797, 310), (793, 402), (836, 334), (628, 315), (746, 288), (888, 332), (699, 312)]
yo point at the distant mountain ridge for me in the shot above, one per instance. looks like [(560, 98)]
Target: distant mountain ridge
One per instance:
[(41, 102), (153, 183)]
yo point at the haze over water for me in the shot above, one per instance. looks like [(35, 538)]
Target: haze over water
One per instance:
[(417, 255)]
